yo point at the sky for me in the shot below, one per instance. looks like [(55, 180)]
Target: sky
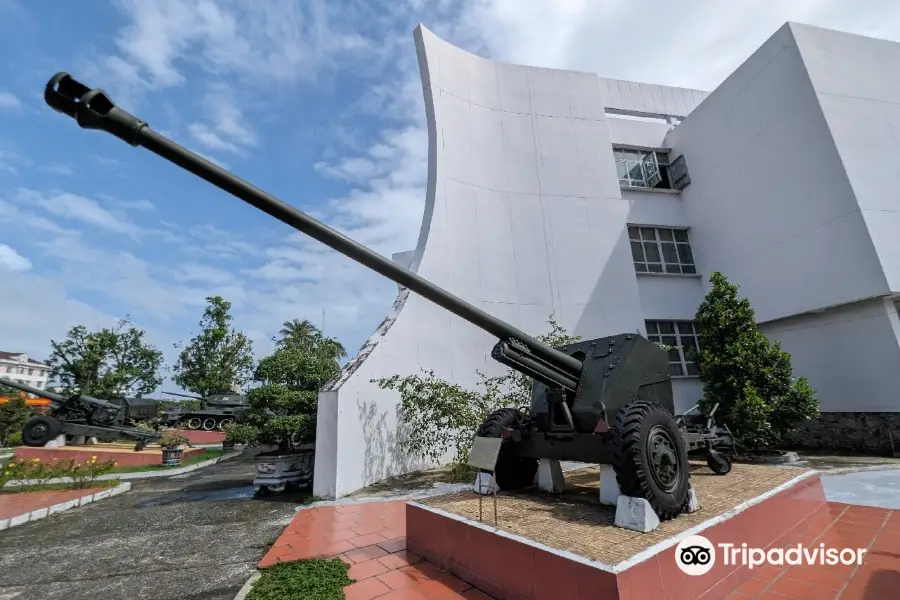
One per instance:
[(318, 102)]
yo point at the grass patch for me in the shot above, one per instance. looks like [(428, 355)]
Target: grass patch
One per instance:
[(53, 487), (317, 579), (190, 460)]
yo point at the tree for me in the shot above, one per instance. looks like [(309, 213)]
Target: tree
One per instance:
[(283, 408), (112, 362), (13, 414), (218, 357), (438, 415), (749, 376)]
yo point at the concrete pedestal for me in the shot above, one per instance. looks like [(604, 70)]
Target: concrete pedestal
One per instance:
[(550, 476)]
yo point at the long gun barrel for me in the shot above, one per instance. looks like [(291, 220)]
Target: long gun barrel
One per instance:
[(93, 109), (55, 398), (183, 395)]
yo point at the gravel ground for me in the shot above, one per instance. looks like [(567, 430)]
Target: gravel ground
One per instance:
[(196, 536)]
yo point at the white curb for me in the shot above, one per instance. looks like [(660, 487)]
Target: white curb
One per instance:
[(247, 586), (136, 474), (40, 513)]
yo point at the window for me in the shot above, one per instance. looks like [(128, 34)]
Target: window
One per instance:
[(683, 336), (661, 250), (650, 169)]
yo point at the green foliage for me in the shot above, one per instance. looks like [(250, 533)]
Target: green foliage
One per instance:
[(14, 439), (749, 376), (283, 408), (185, 405), (318, 579), (172, 439), (438, 415), (218, 357), (38, 474), (112, 362), (13, 416)]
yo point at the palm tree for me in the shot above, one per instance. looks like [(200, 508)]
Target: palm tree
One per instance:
[(299, 333)]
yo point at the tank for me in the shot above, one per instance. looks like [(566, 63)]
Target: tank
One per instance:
[(606, 401), (216, 412)]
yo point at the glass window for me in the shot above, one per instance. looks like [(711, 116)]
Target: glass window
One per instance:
[(682, 337), (661, 250)]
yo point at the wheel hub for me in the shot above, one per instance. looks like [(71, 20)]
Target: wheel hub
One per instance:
[(664, 467), (40, 430)]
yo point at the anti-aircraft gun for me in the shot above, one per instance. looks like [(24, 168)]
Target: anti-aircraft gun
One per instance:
[(606, 401), (83, 415), (216, 412)]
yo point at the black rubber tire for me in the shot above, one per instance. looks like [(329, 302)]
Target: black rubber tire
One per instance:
[(718, 468), (512, 472), (40, 430), (632, 459)]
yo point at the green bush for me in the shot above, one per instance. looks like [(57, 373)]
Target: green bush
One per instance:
[(749, 376), (82, 474), (438, 415), (14, 439)]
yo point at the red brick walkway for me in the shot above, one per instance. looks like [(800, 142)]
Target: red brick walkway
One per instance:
[(13, 505), (371, 538)]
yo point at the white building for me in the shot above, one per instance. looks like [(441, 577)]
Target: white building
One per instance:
[(19, 367), (609, 203)]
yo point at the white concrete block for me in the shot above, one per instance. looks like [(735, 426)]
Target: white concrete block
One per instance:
[(635, 514), (91, 441), (39, 514), (78, 440), (85, 500), (609, 487), (58, 442), (550, 476), (101, 495), (63, 506), (694, 502), (19, 519), (485, 484), (4, 524)]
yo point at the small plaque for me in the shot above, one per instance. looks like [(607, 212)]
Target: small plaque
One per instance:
[(484, 453)]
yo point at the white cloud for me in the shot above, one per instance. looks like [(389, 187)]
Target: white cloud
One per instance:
[(76, 208), (8, 101), (12, 260)]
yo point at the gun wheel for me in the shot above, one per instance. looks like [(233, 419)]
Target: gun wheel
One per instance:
[(209, 424), (193, 423), (718, 463), (40, 430), (512, 472), (650, 458)]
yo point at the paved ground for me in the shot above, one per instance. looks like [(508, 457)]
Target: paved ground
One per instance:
[(866, 488), (196, 536)]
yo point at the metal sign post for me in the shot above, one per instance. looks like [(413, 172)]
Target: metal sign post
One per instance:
[(483, 457)]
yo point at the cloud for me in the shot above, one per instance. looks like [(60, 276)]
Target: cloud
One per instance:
[(77, 208), (8, 101), (12, 260)]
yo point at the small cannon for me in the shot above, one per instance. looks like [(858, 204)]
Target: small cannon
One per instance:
[(83, 415), (606, 401)]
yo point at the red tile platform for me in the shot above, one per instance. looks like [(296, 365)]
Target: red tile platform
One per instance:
[(199, 436), (510, 567), (123, 455)]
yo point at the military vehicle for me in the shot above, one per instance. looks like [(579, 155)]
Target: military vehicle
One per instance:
[(83, 415), (606, 401), (216, 412)]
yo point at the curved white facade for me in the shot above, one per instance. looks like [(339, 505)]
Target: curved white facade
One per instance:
[(524, 218), (532, 209)]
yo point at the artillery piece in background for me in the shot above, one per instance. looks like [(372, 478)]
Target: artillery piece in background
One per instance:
[(83, 415), (606, 401), (216, 412)]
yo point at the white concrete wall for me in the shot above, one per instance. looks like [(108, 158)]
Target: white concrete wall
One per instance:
[(850, 354), (769, 203), (857, 85), (523, 218)]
